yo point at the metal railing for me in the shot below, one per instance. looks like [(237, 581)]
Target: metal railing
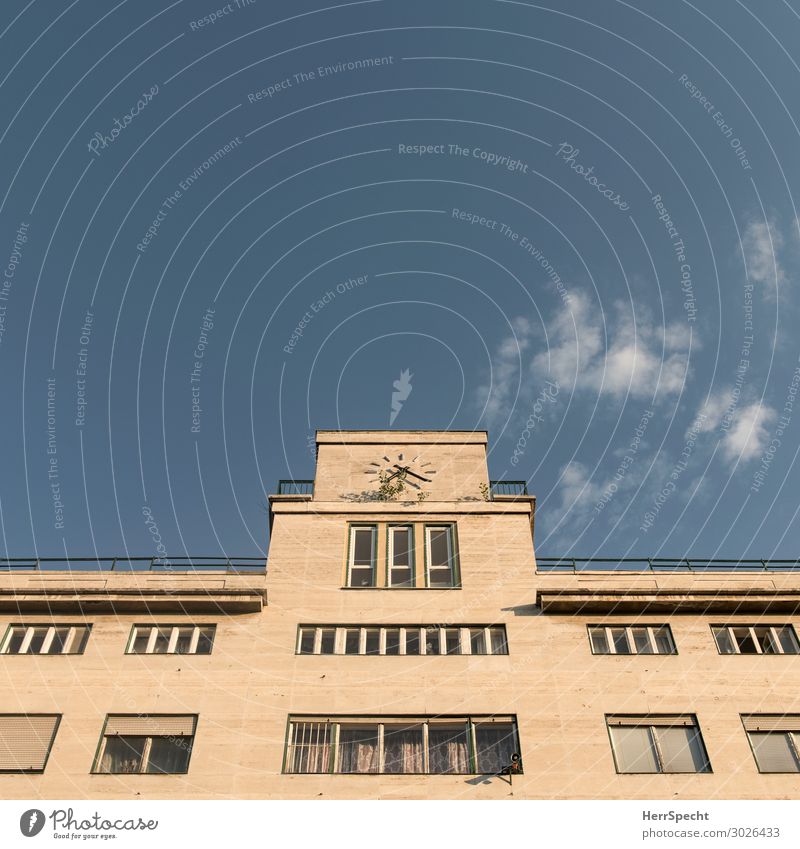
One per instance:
[(508, 487), (249, 565), (295, 487), (660, 564)]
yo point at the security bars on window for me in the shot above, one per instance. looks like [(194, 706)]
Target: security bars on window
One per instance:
[(755, 639), (631, 639), (402, 640), (401, 745), (171, 639), (45, 639)]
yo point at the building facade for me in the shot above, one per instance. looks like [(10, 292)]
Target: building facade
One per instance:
[(403, 643)]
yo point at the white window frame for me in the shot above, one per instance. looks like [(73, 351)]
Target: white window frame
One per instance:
[(173, 637), (30, 631), (651, 637), (354, 529), (752, 629), (451, 556), (340, 638)]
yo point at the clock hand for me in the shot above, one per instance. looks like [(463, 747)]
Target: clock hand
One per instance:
[(409, 472)]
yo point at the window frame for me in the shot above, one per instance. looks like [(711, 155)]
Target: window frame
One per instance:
[(651, 629), (30, 628), (56, 725), (774, 629), (173, 639), (351, 543), (101, 746), (336, 722), (390, 527), (651, 729), (453, 552), (340, 638)]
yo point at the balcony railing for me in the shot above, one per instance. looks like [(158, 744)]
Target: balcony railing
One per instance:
[(660, 564), (513, 488), (295, 487), (134, 564)]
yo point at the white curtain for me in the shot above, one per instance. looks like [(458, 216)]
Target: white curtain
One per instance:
[(403, 750), (358, 749), (447, 750)]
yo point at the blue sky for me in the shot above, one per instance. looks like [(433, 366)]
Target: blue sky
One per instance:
[(575, 227)]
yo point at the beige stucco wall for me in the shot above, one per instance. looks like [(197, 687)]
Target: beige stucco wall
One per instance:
[(244, 691)]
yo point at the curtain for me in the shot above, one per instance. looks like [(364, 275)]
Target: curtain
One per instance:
[(495, 744), (123, 754), (403, 750), (358, 749), (447, 749)]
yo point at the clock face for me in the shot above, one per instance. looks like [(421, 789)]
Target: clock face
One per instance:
[(418, 471)]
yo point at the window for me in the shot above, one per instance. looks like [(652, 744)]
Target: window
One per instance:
[(402, 640), (45, 639), (401, 745), (651, 744), (631, 639), (144, 744), (171, 639), (440, 555), (401, 554), (361, 559), (26, 740), (756, 639), (775, 741)]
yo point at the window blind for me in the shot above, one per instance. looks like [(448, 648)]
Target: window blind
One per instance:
[(771, 722), (160, 725), (25, 740), (655, 719), (773, 752)]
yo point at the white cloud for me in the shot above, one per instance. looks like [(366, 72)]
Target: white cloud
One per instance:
[(761, 242), (748, 434), (500, 393)]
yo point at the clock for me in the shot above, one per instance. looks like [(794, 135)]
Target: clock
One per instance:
[(417, 470)]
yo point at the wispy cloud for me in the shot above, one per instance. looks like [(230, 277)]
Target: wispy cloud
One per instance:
[(762, 241), (509, 362), (744, 428)]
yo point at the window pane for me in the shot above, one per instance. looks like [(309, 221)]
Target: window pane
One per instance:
[(788, 639), (392, 641), (140, 640), (765, 641), (205, 641), (352, 638), (477, 640), (362, 547), (162, 640), (15, 641), (498, 637), (641, 640), (439, 558), (495, 743), (60, 637), (744, 640), (431, 641), (358, 749), (328, 641), (663, 638), (37, 641), (682, 749), (311, 747), (620, 639), (373, 641), (79, 640), (183, 644), (403, 750), (598, 639), (123, 754), (633, 749), (724, 642), (773, 752), (401, 577), (447, 749), (361, 577), (452, 641), (412, 640), (169, 755), (307, 641)]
